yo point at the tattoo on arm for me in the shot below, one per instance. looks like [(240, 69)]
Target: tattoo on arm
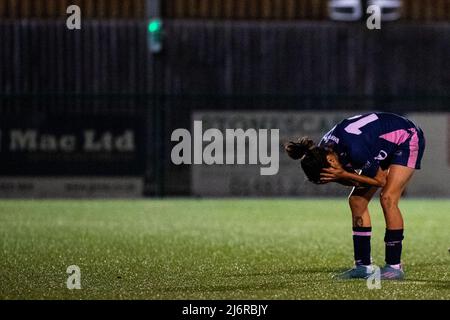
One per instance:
[(358, 222)]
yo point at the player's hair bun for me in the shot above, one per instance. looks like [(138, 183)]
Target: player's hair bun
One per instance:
[(297, 150)]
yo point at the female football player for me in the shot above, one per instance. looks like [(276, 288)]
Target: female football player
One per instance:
[(370, 151)]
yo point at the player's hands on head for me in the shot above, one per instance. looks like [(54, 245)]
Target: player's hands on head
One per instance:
[(332, 174)]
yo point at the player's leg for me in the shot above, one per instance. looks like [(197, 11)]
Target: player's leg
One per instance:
[(358, 200), (362, 231), (397, 180), (362, 227)]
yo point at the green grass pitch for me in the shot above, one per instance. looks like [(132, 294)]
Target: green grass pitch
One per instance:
[(211, 249)]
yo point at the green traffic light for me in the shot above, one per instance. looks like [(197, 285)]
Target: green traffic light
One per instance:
[(154, 26)]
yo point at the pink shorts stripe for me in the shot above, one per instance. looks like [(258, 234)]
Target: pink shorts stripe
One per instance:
[(413, 149), (398, 136), (362, 234)]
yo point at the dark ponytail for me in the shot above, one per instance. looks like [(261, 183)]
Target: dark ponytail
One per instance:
[(313, 158), (297, 150)]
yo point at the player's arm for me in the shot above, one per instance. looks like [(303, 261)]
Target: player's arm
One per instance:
[(341, 176), (360, 180), (348, 183)]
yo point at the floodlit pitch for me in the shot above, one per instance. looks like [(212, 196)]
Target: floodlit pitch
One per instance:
[(210, 249)]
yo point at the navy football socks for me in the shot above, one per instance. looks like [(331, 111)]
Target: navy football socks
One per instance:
[(361, 245), (393, 240)]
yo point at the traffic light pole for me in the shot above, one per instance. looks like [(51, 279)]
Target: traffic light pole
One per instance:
[(155, 172), (153, 10)]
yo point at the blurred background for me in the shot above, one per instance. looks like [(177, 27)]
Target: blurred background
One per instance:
[(89, 112)]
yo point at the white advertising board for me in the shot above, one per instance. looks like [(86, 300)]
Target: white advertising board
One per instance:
[(246, 180)]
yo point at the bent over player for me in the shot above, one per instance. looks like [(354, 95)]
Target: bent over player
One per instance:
[(370, 151)]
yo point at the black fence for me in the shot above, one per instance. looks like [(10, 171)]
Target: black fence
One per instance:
[(38, 56), (103, 77), (225, 58)]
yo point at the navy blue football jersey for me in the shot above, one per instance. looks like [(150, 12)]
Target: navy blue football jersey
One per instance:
[(366, 142)]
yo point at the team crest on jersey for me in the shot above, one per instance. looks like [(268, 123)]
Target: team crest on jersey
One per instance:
[(381, 156)]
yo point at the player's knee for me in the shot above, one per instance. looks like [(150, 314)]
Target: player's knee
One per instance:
[(357, 204), (388, 200)]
